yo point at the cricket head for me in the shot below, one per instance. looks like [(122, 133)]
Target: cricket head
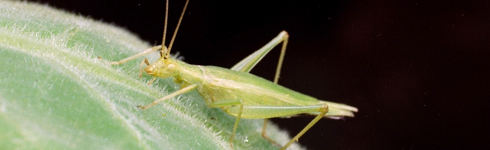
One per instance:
[(164, 67)]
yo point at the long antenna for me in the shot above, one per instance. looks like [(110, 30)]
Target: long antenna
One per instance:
[(165, 26), (176, 29)]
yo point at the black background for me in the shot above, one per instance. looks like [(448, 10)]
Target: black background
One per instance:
[(418, 71)]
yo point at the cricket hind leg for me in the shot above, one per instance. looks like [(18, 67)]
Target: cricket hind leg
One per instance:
[(285, 39), (249, 62)]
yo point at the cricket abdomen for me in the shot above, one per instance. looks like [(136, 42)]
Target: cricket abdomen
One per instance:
[(224, 84)]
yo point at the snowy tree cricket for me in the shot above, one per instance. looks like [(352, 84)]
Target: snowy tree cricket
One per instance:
[(235, 90)]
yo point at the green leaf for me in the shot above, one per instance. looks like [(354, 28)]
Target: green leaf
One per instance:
[(56, 93)]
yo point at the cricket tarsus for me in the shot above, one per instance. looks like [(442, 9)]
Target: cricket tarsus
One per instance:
[(237, 92)]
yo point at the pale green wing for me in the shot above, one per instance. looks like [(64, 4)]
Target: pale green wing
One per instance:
[(251, 60)]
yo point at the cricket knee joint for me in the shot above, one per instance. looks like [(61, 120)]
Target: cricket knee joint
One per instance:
[(284, 33), (324, 108)]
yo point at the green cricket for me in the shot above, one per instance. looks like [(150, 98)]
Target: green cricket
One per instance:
[(235, 90)]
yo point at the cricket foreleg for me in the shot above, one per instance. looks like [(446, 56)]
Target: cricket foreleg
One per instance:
[(226, 103), (145, 52), (183, 90), (145, 61)]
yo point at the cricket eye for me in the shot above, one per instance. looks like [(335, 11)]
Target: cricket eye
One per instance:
[(171, 66), (148, 69)]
